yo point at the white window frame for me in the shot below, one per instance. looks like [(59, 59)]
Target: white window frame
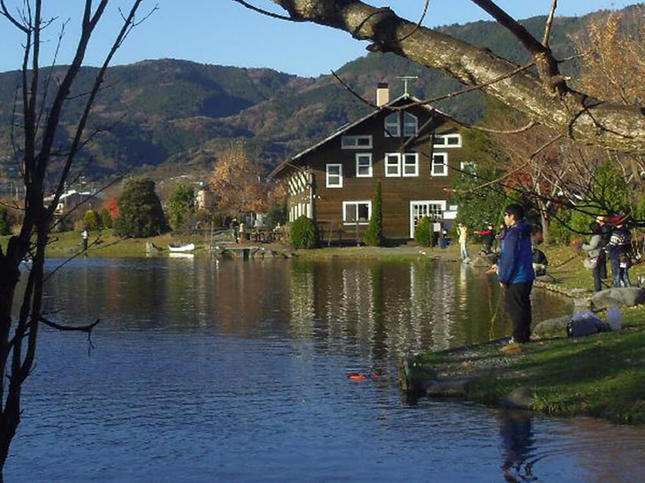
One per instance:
[(409, 120), (468, 164), (328, 175), (353, 142), (433, 172), (397, 156), (369, 166), (393, 125), (363, 202), (405, 156), (426, 204), (444, 140)]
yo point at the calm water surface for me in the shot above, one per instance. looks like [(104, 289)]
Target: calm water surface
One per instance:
[(237, 371)]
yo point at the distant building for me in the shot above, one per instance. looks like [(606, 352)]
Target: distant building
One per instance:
[(72, 199), (415, 152), (204, 198)]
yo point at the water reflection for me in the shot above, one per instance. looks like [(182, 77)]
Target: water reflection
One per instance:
[(516, 430), (208, 370), (396, 308)]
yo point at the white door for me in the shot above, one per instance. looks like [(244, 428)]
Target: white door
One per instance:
[(419, 209)]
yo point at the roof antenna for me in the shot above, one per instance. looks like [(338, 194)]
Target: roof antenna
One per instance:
[(406, 79)]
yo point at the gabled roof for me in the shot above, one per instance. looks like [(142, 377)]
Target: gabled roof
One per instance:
[(292, 162)]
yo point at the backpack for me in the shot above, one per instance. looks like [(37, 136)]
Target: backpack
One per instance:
[(586, 323)]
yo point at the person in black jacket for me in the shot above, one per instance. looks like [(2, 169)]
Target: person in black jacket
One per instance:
[(619, 248)]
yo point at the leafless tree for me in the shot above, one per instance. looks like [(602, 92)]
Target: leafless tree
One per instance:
[(42, 97), (545, 97)]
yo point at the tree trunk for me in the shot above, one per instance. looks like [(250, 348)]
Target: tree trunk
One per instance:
[(544, 99)]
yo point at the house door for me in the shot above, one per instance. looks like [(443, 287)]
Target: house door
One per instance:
[(419, 209)]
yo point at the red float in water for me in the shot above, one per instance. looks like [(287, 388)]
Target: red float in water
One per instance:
[(357, 377)]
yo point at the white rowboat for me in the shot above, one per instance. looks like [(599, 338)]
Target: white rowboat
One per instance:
[(189, 247)]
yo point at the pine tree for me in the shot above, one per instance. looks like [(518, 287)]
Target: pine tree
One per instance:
[(374, 234)]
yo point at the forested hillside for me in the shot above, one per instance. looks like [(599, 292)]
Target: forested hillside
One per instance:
[(180, 114)]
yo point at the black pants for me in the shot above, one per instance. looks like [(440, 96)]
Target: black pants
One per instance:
[(599, 272), (518, 303)]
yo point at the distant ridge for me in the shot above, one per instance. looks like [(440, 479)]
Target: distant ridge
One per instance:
[(178, 115)]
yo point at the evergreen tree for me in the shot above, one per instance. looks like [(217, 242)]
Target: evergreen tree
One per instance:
[(374, 234), (181, 206), (140, 212)]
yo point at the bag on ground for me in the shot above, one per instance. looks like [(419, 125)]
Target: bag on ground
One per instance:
[(586, 323)]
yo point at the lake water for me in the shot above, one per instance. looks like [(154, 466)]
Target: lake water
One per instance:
[(206, 370)]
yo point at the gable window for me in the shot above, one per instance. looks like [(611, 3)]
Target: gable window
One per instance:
[(392, 164), (410, 124), (411, 164), (356, 142), (357, 212), (439, 164), (334, 176), (392, 126), (363, 165), (447, 141)]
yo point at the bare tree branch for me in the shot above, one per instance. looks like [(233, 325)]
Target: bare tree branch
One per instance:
[(549, 23)]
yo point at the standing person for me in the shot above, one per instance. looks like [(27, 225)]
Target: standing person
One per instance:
[(605, 235), (488, 237), (515, 271), (462, 232), (619, 247), (85, 236), (235, 226), (595, 250)]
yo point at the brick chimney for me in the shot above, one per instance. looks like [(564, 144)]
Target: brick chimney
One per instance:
[(382, 94)]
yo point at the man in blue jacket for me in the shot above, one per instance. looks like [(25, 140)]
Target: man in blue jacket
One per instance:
[(515, 271)]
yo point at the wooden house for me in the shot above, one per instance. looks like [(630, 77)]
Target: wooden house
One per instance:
[(412, 149)]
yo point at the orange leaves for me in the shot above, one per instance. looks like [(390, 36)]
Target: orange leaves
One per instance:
[(238, 182)]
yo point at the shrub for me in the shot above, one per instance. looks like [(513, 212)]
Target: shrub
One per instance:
[(423, 233), (5, 222), (106, 219), (91, 220), (374, 234), (303, 233)]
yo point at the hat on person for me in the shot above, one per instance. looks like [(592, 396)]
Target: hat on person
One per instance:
[(601, 218)]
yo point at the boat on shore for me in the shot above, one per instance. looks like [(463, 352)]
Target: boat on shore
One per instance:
[(181, 248)]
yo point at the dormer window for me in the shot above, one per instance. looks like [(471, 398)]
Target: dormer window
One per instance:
[(410, 124), (392, 126)]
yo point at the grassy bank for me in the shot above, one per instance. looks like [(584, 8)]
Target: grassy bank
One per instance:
[(601, 375)]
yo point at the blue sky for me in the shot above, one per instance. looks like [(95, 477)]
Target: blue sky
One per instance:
[(224, 32)]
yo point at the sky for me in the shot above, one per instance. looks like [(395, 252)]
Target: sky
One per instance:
[(223, 32)]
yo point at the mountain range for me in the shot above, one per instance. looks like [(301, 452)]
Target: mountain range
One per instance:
[(175, 116)]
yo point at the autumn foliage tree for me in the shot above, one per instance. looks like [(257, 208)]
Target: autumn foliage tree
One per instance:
[(238, 182)]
